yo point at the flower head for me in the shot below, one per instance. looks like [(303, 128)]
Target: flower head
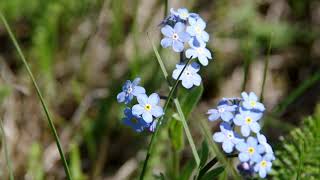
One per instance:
[(196, 29), (248, 122), (250, 150), (189, 76), (148, 107), (129, 90), (263, 166), (175, 37), (227, 137), (200, 52), (250, 102), (135, 122), (224, 111)]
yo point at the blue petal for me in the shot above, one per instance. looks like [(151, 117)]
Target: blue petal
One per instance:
[(245, 130), (138, 90), (184, 36), (196, 79), (218, 137), (252, 141), (142, 99), (121, 97), (147, 117), (262, 172), (227, 146), (136, 81), (243, 157), (245, 96), (187, 83), (253, 97), (166, 42), (226, 116), (179, 27), (157, 111), (205, 36), (137, 110), (191, 53), (238, 120), (167, 31), (214, 115), (255, 127), (177, 46), (154, 99), (242, 146)]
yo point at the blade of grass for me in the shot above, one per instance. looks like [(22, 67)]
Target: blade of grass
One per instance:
[(6, 152), (265, 70), (44, 106)]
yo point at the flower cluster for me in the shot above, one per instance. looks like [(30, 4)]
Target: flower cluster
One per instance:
[(143, 114), (184, 30), (255, 154)]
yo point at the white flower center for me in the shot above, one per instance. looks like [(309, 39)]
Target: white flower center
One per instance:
[(221, 110), (175, 36), (230, 135), (129, 90)]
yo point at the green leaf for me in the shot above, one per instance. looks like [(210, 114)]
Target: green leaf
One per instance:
[(213, 173), (207, 167), (204, 153), (190, 98), (188, 170), (176, 134)]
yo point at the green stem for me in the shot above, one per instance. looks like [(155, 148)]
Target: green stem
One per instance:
[(187, 131), (51, 125), (6, 152), (265, 70)]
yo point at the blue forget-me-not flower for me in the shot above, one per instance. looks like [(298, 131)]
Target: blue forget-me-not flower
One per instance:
[(175, 37), (182, 13), (196, 29), (248, 122), (190, 75), (250, 101), (264, 165), (129, 90), (200, 52), (250, 150), (224, 111), (148, 107), (268, 149), (227, 137), (135, 122)]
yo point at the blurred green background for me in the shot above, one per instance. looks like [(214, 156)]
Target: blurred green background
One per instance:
[(81, 51)]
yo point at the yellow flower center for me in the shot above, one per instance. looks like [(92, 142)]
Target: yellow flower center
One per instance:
[(250, 150), (147, 107), (175, 36), (198, 30), (263, 163), (184, 15), (248, 120), (200, 50), (253, 103)]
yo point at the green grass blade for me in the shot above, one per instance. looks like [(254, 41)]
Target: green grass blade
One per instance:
[(6, 152), (187, 131), (44, 106), (265, 70)]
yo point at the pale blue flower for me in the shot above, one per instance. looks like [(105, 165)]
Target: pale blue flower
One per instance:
[(196, 29), (148, 107), (250, 150), (135, 122), (175, 37), (182, 13), (200, 52), (153, 126), (227, 137), (189, 76), (224, 111), (250, 102), (263, 166), (129, 90), (248, 122), (268, 149)]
